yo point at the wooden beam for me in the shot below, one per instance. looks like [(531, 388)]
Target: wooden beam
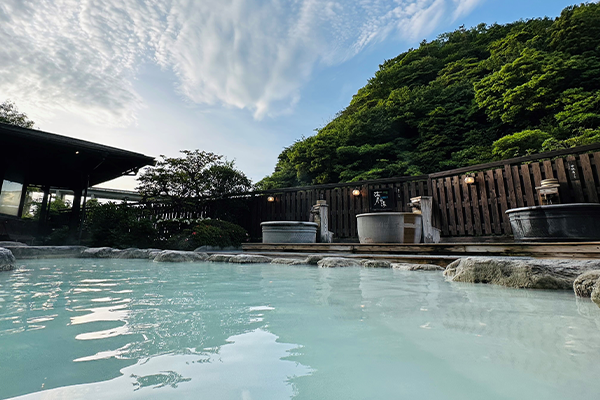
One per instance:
[(542, 250)]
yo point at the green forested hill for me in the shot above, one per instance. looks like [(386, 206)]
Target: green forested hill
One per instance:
[(468, 97)]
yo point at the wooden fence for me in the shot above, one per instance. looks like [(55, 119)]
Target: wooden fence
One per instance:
[(460, 209), (294, 204), (479, 209)]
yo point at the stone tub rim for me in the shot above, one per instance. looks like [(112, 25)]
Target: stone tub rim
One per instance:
[(298, 223), (551, 206), (385, 213)]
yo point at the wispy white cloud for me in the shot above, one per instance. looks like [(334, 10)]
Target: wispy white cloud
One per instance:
[(82, 55), (464, 7)]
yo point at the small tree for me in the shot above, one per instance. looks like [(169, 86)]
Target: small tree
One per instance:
[(198, 174), (10, 115)]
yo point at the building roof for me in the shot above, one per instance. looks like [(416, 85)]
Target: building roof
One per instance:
[(47, 159)]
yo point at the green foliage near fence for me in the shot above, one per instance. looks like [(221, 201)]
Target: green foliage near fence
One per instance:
[(452, 102), (207, 232), (118, 225), (124, 225)]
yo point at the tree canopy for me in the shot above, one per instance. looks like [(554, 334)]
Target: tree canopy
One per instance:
[(468, 97), (198, 174), (9, 114)]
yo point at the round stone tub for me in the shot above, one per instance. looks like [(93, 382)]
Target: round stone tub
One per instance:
[(289, 232), (389, 227), (556, 223)]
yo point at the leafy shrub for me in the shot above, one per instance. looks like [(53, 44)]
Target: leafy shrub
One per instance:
[(208, 232), (123, 225), (118, 225), (520, 144), (588, 137), (59, 237)]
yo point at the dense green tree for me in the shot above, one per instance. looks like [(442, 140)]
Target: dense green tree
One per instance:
[(198, 174), (468, 97), (520, 143)]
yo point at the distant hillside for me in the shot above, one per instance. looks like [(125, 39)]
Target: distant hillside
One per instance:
[(468, 97)]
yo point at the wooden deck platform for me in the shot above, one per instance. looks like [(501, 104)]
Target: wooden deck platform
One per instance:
[(447, 250)]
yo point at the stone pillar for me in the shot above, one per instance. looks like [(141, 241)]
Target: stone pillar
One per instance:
[(324, 234), (430, 234)]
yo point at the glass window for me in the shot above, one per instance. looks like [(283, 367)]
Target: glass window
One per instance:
[(10, 198)]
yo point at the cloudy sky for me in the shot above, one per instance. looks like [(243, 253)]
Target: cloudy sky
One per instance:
[(242, 78)]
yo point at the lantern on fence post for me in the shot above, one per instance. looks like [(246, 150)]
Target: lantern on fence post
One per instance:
[(470, 179), (356, 192), (270, 199), (548, 192)]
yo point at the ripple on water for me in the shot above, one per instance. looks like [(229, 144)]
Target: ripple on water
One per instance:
[(238, 369), (273, 332)]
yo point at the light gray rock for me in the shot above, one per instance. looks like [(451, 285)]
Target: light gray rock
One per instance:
[(584, 283), (595, 296), (519, 272), (115, 253), (287, 261), (99, 252), (376, 264), (313, 259), (180, 256), (250, 259), (220, 257), (204, 249), (153, 253), (7, 260), (417, 267), (8, 243), (133, 253), (28, 252), (333, 262)]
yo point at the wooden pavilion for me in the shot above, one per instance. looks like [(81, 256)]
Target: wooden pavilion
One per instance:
[(48, 161)]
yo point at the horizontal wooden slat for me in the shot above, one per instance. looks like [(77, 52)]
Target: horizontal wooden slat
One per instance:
[(559, 249)]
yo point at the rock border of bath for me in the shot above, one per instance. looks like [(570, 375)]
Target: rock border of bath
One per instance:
[(582, 276), (19, 251)]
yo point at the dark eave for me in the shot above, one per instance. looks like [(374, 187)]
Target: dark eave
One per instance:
[(47, 159)]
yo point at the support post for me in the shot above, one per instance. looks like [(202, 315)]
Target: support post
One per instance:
[(82, 219), (76, 209), (44, 206), (324, 235), (430, 234), (22, 201)]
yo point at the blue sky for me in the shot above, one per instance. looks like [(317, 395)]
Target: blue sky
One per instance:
[(241, 78)]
